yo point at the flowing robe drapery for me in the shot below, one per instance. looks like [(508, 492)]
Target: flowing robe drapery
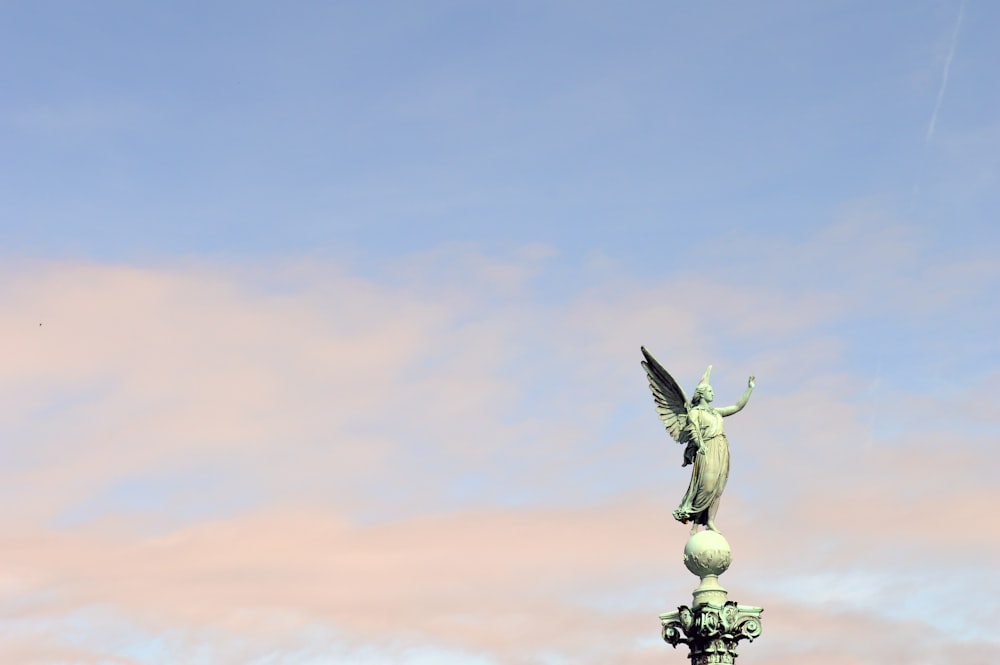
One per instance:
[(711, 467)]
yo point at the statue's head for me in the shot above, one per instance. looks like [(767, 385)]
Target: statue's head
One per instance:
[(703, 393)]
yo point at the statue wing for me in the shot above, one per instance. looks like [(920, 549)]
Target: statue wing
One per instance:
[(671, 403)]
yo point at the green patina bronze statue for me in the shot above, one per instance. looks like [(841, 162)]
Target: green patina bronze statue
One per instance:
[(698, 425)]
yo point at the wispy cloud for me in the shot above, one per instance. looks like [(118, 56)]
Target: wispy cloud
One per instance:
[(291, 462), (944, 74)]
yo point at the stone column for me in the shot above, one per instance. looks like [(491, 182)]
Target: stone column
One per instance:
[(713, 625)]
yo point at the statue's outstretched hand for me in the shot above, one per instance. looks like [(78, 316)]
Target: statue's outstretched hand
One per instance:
[(751, 382)]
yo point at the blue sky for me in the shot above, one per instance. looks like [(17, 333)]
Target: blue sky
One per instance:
[(341, 304), (143, 131)]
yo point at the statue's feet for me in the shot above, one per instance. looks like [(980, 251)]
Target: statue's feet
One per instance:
[(694, 528), (711, 526)]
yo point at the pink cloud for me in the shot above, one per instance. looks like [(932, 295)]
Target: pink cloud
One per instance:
[(504, 583), (458, 469)]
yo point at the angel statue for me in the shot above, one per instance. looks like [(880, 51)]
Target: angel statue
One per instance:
[(698, 425)]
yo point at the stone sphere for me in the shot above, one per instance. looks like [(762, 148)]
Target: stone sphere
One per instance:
[(707, 553)]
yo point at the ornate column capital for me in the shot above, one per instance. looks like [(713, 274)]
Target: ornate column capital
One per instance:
[(712, 631)]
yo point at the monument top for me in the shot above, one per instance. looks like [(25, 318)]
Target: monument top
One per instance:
[(698, 426)]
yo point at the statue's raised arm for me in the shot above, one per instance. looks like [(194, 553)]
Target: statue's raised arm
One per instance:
[(699, 425), (730, 410)]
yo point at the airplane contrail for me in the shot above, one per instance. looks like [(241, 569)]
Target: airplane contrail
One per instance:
[(944, 74)]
